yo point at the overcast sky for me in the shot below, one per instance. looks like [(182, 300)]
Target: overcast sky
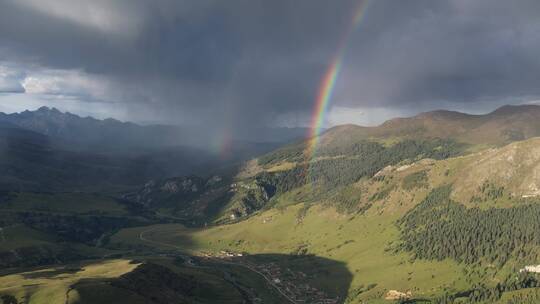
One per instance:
[(238, 63)]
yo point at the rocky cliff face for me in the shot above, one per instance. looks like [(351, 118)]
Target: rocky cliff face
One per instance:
[(157, 191), (515, 167), (206, 200), (188, 197)]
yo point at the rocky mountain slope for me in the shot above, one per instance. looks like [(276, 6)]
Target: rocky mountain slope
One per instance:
[(453, 230), (348, 154)]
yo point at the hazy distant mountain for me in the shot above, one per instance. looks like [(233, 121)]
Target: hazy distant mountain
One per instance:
[(90, 133), (84, 133), (32, 161), (48, 149)]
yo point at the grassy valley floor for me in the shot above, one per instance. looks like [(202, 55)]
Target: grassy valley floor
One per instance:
[(359, 244)]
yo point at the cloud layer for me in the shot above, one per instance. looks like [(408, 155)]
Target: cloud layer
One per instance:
[(234, 64)]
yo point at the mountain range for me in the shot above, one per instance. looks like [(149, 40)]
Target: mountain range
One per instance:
[(442, 207), (48, 149), (114, 135)]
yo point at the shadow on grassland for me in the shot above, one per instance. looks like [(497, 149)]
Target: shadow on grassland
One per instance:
[(270, 278), (303, 275), (300, 278)]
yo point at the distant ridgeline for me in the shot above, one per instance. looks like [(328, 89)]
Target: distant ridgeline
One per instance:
[(47, 149)]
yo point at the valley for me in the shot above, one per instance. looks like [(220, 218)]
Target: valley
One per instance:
[(269, 152), (392, 218)]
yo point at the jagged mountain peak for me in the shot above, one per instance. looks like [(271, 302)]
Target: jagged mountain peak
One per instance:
[(45, 109)]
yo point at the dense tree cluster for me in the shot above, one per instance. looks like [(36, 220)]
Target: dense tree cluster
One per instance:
[(34, 255), (343, 166), (405, 149), (432, 148), (8, 299), (359, 148), (284, 181), (484, 294), (488, 191), (348, 199), (293, 153), (74, 228), (439, 228), (525, 298)]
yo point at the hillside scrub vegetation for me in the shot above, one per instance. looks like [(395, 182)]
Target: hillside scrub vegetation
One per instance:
[(415, 180)]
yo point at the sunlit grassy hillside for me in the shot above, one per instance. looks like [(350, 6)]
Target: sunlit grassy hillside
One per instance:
[(367, 236)]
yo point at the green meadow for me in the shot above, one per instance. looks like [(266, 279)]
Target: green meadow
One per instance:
[(361, 243)]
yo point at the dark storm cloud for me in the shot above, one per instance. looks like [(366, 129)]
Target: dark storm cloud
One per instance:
[(10, 86), (244, 62), (10, 81), (245, 57), (446, 51)]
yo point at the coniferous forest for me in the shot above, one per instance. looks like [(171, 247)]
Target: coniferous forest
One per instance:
[(439, 228)]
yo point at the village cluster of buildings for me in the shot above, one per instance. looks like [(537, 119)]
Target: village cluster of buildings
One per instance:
[(531, 268), (290, 283), (293, 284)]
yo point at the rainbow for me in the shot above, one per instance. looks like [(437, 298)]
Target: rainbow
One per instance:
[(328, 82)]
